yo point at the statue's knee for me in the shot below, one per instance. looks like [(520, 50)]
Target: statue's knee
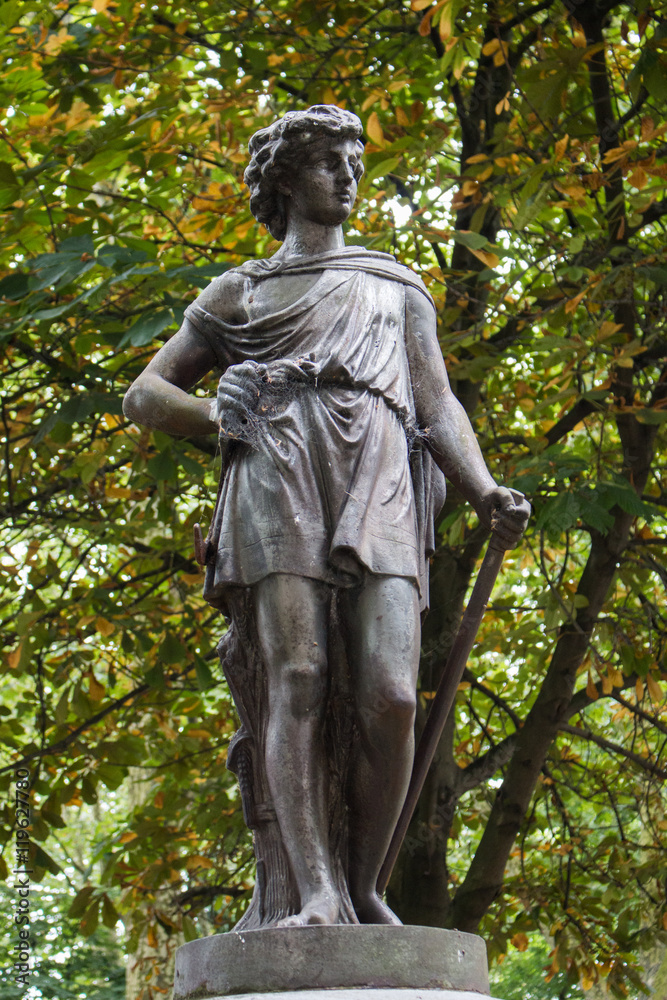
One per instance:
[(304, 685), (388, 711)]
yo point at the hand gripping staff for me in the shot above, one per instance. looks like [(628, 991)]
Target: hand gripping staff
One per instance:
[(446, 693)]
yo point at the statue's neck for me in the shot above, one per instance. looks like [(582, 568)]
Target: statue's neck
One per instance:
[(307, 239)]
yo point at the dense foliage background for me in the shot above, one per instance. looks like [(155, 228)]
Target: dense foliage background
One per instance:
[(517, 158)]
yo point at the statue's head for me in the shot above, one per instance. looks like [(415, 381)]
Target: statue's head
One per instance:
[(276, 153)]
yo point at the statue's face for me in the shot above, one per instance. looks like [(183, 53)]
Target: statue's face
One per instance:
[(323, 187)]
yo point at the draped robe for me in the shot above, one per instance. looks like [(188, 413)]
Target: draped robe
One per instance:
[(336, 483)]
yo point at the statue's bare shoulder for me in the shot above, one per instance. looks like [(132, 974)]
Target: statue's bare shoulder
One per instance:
[(224, 297)]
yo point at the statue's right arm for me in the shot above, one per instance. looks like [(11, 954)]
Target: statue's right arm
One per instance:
[(159, 397)]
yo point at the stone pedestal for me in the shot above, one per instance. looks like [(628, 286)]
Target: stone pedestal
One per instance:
[(359, 962)]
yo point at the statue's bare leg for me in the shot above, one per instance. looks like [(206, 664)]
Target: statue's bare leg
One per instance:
[(292, 618), (383, 638)]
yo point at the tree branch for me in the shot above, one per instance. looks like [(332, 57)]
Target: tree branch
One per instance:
[(587, 734), (569, 421)]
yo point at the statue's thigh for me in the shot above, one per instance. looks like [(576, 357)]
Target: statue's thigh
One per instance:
[(292, 617), (382, 629)]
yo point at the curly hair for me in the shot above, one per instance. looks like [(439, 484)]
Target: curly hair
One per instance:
[(275, 151)]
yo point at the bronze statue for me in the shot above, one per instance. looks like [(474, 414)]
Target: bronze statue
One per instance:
[(337, 423)]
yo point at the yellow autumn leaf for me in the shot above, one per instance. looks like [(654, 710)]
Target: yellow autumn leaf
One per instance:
[(608, 328), (638, 178), (503, 104), (520, 941), (402, 118), (491, 47), (201, 734), (57, 41), (371, 99), (14, 657), (591, 689), (374, 129), (197, 861), (654, 688), (445, 26), (587, 978), (639, 688), (560, 148), (112, 420), (416, 111), (128, 836), (425, 25), (477, 158), (104, 627), (490, 259), (95, 689), (468, 188), (420, 4), (648, 130), (571, 306), (617, 152)]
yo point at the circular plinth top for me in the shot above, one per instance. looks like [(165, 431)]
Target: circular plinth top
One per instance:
[(338, 956)]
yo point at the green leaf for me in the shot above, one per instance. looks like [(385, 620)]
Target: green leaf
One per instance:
[(474, 241), (7, 175), (155, 677), (162, 466), (91, 919), (44, 860), (147, 328), (655, 76), (172, 650), (189, 929), (81, 901), (88, 790), (205, 678), (109, 913)]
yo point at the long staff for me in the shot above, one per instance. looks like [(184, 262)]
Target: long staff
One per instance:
[(444, 699)]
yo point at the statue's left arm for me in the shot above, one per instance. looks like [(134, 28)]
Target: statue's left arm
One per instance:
[(449, 434)]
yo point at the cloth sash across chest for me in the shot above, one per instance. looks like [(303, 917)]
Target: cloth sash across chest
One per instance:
[(338, 482)]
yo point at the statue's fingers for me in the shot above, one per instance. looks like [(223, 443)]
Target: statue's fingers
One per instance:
[(248, 373), (235, 395), (508, 539), (522, 510)]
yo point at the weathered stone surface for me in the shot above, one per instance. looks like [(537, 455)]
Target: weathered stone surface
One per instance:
[(363, 993), (336, 427), (340, 957)]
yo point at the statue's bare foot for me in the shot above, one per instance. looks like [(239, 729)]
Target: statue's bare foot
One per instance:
[(371, 909), (323, 908)]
